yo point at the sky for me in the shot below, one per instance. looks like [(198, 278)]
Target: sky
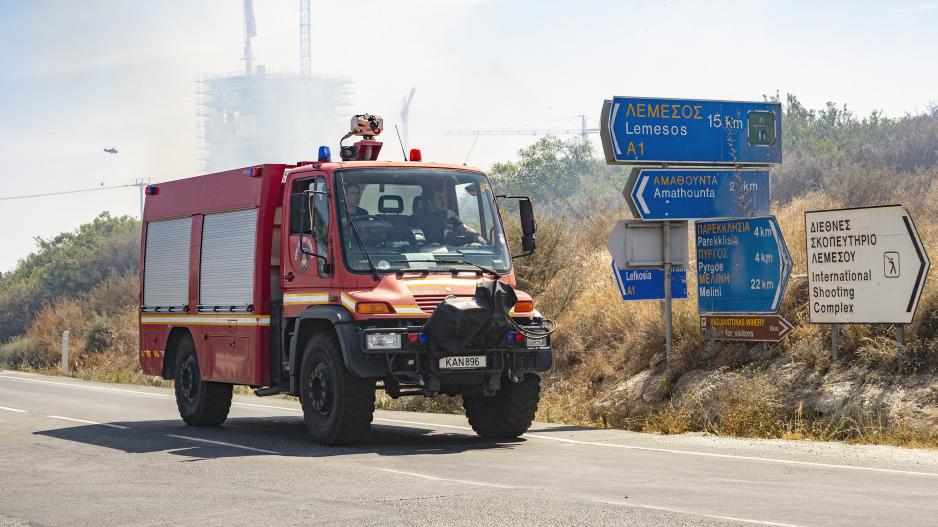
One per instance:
[(78, 77)]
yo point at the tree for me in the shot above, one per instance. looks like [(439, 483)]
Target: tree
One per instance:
[(548, 171), (68, 264)]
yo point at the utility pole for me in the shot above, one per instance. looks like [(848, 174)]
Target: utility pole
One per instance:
[(141, 185)]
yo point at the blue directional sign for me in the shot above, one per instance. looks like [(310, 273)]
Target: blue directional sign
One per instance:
[(742, 265), (637, 130), (648, 284), (688, 194)]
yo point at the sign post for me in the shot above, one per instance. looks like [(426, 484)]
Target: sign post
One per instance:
[(700, 136), (639, 252), (649, 131), (751, 328), (743, 265), (655, 194), (865, 266), (900, 339), (669, 329)]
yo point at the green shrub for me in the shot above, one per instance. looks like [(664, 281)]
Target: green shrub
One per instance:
[(19, 352), (99, 335)]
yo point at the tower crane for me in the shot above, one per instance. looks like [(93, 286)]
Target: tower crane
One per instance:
[(583, 131), (250, 31), (305, 45)]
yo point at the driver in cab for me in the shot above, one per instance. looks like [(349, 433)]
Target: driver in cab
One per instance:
[(440, 224)]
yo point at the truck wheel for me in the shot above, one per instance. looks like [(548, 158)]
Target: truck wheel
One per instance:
[(201, 403), (337, 406), (508, 413)]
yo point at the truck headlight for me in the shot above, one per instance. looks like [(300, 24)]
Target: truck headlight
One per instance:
[(383, 341), (540, 342)]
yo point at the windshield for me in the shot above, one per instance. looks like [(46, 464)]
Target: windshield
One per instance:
[(419, 219)]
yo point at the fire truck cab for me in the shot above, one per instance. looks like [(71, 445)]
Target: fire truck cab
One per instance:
[(320, 280)]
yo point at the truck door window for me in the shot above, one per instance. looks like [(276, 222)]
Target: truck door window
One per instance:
[(300, 217), (321, 223)]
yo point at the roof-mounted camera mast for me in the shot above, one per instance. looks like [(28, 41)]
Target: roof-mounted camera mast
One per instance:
[(366, 126)]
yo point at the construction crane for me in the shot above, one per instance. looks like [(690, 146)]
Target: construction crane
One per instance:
[(583, 131), (405, 115), (305, 43), (250, 31)]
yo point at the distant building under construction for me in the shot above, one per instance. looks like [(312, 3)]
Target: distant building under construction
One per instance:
[(259, 116)]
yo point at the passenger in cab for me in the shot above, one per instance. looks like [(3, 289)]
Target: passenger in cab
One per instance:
[(440, 224), (353, 196)]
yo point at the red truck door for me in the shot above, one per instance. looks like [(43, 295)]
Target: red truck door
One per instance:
[(306, 277)]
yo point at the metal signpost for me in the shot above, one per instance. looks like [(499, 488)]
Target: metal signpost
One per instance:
[(637, 130), (751, 328), (743, 265), (701, 136), (655, 194), (865, 266)]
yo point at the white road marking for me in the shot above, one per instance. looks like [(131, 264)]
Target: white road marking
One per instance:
[(469, 428), (531, 436), (222, 443), (87, 422), (17, 410), (734, 456), (698, 514), (435, 478), (84, 387)]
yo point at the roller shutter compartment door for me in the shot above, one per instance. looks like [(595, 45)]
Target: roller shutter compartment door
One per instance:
[(166, 263), (227, 271)]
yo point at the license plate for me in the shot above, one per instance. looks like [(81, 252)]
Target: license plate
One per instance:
[(462, 363)]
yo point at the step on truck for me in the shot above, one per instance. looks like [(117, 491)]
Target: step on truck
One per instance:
[(331, 280)]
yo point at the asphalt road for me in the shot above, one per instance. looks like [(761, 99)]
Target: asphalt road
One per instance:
[(81, 453)]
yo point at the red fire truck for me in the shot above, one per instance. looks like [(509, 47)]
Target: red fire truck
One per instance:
[(328, 281)]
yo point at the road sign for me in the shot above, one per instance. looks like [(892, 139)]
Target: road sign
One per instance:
[(636, 130), (742, 265), (648, 284), (688, 194), (751, 328), (865, 265), (640, 244)]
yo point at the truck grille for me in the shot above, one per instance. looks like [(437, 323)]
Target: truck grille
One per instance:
[(428, 303)]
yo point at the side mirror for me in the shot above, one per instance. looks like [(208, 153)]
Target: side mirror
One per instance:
[(528, 243), (526, 209), (528, 225)]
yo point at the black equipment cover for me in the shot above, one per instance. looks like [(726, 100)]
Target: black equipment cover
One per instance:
[(480, 321)]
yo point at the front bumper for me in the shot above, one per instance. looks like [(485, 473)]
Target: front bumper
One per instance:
[(415, 369)]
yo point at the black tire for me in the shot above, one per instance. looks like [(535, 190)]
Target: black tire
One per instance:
[(508, 413), (200, 403), (337, 406)]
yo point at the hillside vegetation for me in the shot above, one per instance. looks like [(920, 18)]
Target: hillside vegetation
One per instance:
[(610, 368)]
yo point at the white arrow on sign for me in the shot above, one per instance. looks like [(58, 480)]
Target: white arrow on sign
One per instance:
[(865, 265)]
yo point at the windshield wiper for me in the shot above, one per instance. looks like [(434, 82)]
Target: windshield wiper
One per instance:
[(361, 244), (482, 268)]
